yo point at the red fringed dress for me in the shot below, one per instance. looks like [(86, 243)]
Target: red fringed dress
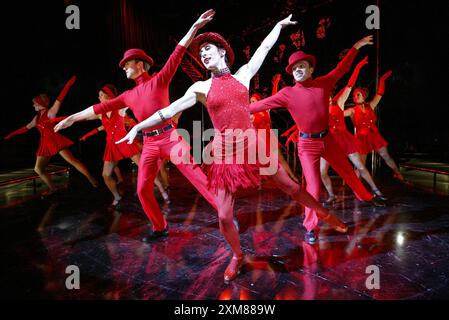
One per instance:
[(228, 106), (51, 142), (115, 130)]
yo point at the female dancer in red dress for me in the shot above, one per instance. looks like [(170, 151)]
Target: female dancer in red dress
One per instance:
[(364, 119), (226, 98), (262, 121), (348, 143), (114, 125), (51, 142)]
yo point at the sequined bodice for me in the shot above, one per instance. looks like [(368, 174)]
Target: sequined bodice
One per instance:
[(113, 125), (45, 125), (336, 119), (228, 104)]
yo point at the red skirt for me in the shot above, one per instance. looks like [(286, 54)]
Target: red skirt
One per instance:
[(52, 144), (372, 141), (117, 152), (347, 142)]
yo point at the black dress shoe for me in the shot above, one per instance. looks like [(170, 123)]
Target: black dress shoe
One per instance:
[(155, 235), (377, 202), (310, 237)]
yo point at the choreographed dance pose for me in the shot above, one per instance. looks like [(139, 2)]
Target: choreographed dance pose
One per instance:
[(308, 103), (147, 97), (364, 119), (51, 143), (226, 98), (114, 125), (348, 143)]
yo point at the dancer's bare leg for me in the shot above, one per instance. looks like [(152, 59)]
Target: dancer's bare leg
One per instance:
[(383, 152), (41, 169), (324, 169), (68, 156), (111, 183)]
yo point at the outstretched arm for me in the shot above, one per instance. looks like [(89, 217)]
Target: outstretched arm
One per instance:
[(346, 63), (53, 111), (275, 81), (22, 130), (188, 100), (91, 133), (341, 97), (380, 90), (86, 114), (251, 68)]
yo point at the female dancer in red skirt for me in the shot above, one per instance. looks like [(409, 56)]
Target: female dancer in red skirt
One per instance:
[(364, 119), (348, 143), (51, 142), (226, 97), (114, 125)]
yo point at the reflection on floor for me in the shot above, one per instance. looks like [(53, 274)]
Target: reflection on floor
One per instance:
[(408, 241)]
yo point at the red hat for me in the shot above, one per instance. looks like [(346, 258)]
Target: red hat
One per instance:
[(298, 56), (135, 54), (213, 38), (42, 100)]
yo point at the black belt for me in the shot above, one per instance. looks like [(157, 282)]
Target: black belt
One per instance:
[(157, 131), (314, 135)]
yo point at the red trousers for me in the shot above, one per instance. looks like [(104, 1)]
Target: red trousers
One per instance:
[(154, 150), (310, 150)]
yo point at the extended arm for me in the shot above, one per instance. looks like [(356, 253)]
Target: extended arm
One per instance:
[(343, 95), (346, 63), (251, 68), (189, 99), (53, 111), (22, 130), (380, 90), (91, 133)]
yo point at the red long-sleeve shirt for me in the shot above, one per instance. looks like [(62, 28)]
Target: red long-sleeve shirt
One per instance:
[(150, 93), (308, 101)]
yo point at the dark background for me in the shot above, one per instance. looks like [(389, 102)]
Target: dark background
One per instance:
[(41, 54)]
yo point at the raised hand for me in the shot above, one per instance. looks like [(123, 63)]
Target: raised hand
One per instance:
[(71, 81), (363, 42), (129, 137), (287, 22), (362, 63), (276, 78), (386, 75), (205, 18)]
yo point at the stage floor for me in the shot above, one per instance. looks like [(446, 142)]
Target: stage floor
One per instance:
[(408, 241)]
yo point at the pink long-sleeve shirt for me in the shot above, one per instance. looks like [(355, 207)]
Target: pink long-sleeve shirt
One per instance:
[(308, 101), (150, 93)]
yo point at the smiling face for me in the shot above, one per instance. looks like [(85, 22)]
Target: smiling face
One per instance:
[(357, 97), (212, 57), (302, 70), (38, 107)]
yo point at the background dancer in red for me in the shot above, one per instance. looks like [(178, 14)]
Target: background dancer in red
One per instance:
[(114, 125), (364, 119), (149, 96), (226, 99), (308, 103), (346, 140), (51, 143)]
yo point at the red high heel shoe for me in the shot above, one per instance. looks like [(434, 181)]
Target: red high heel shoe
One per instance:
[(234, 268)]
